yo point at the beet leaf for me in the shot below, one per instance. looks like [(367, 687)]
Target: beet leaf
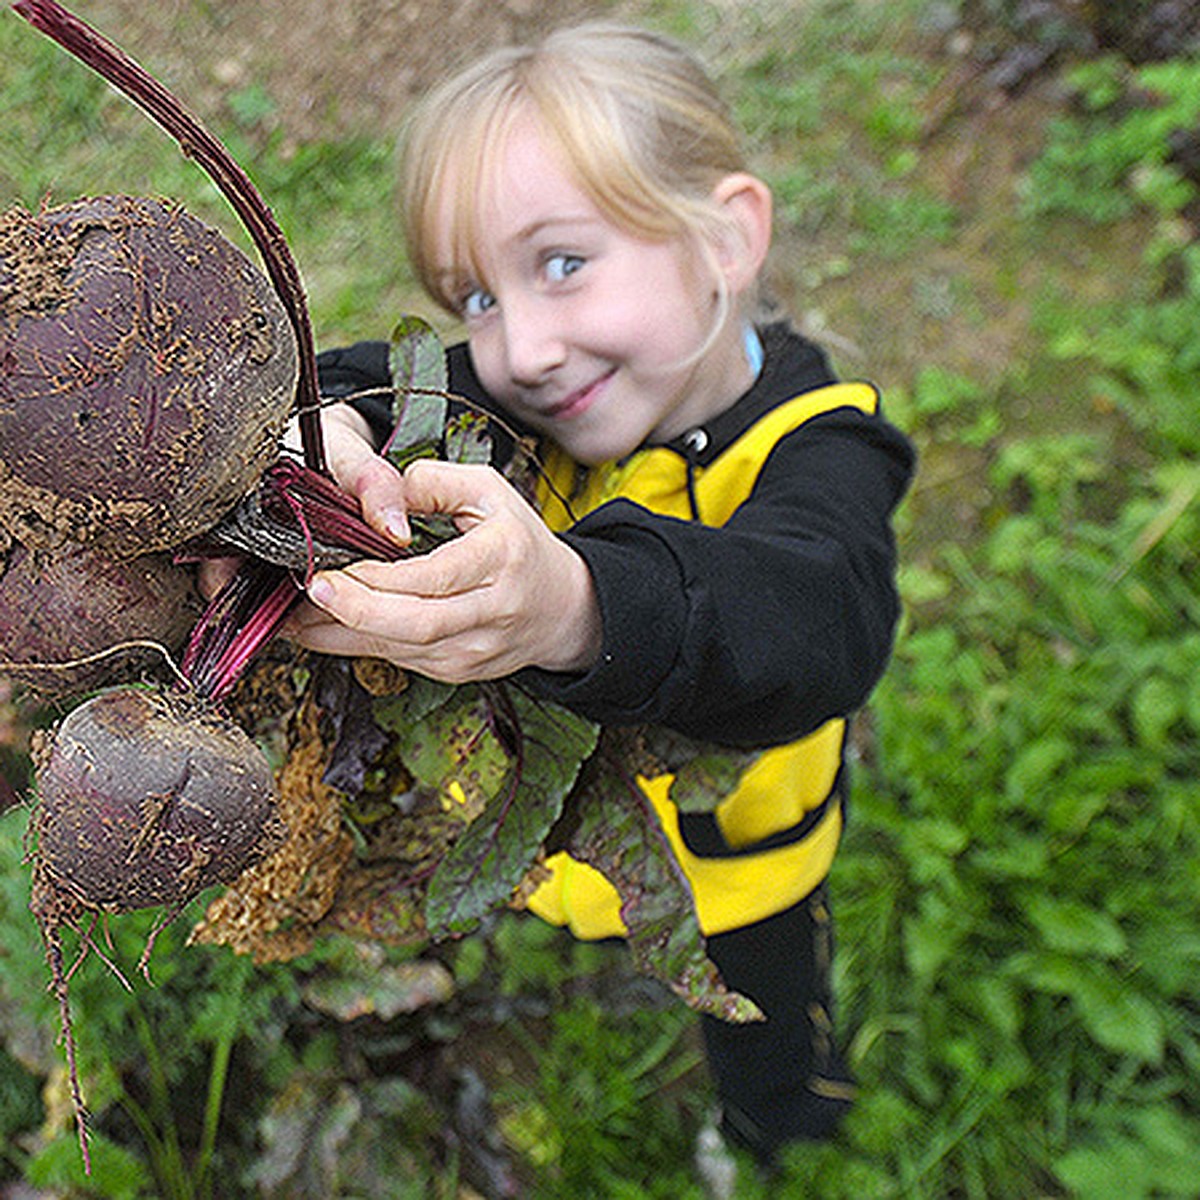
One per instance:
[(495, 851), (616, 830), (417, 363)]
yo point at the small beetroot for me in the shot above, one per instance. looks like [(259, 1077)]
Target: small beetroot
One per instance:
[(146, 798)]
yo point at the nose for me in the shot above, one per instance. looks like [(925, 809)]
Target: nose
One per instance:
[(533, 345)]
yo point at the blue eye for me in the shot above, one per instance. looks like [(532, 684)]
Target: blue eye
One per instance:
[(476, 302), (559, 266)]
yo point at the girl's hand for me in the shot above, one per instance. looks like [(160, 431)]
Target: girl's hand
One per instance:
[(506, 594), (357, 468)]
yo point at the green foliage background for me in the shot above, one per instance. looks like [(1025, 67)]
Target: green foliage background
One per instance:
[(1018, 897)]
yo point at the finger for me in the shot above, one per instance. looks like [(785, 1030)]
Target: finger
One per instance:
[(380, 490), (451, 569), (332, 638), (470, 493), (371, 479), (359, 607)]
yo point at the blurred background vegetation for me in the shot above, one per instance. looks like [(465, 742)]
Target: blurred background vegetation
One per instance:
[(990, 209)]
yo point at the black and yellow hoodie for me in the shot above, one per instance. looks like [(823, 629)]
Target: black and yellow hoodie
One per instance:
[(745, 575), (746, 579)]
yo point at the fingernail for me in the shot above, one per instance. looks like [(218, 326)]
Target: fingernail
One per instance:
[(396, 523), (320, 591)]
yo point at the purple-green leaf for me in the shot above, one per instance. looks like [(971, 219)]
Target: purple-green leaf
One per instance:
[(450, 749), (618, 833), (468, 439), (372, 987), (417, 363), (545, 747)]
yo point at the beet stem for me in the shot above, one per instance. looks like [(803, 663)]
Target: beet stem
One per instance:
[(109, 61), (254, 635), (237, 623), (324, 512)]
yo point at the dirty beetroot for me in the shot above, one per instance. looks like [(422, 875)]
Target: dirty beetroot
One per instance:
[(147, 369), (147, 372), (146, 799), (60, 609)]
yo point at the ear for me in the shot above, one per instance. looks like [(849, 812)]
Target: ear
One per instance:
[(747, 204)]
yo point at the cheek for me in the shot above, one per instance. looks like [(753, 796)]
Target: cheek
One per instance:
[(674, 314), (488, 361)]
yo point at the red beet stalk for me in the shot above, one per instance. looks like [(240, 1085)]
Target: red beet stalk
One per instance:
[(109, 61), (294, 502)]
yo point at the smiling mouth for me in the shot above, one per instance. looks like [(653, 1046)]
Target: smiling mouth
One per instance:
[(579, 401)]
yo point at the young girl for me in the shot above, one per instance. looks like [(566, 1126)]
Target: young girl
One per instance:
[(726, 564)]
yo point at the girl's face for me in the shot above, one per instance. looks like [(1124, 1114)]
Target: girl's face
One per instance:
[(588, 333)]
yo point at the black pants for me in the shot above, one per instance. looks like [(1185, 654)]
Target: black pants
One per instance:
[(782, 1079)]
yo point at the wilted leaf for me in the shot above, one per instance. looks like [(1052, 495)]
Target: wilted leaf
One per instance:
[(379, 903), (358, 739), (618, 833), (418, 700), (705, 774), (304, 1133), (452, 749)]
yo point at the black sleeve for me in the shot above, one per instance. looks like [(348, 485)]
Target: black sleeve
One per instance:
[(360, 372), (757, 632)]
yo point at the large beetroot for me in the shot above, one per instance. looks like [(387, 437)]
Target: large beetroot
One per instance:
[(147, 368)]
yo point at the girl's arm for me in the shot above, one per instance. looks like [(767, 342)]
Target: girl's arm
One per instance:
[(757, 632)]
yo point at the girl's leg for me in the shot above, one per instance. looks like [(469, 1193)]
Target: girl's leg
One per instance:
[(782, 1079)]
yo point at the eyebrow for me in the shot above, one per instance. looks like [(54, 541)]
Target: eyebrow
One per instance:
[(449, 278), (528, 232)]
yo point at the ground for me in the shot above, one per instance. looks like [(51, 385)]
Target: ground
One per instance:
[(328, 67)]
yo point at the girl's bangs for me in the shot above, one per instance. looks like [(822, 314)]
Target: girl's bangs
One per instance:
[(446, 196)]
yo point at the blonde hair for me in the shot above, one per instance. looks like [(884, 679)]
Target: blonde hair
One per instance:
[(638, 120)]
